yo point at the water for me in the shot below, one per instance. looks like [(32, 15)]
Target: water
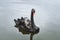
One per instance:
[(46, 17)]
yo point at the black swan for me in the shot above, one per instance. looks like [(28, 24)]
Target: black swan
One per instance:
[(26, 26)]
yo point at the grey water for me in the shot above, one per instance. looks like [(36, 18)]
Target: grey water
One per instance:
[(47, 18)]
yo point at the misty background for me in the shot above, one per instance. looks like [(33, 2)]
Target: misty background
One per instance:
[(47, 18)]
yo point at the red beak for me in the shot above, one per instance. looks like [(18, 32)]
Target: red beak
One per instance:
[(33, 14)]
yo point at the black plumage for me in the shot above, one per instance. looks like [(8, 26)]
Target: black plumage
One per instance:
[(27, 26)]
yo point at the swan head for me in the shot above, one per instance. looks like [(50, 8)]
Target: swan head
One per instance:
[(33, 11)]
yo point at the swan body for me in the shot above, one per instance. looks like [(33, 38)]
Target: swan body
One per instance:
[(25, 25)]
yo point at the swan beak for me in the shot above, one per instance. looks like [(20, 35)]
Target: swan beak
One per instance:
[(33, 14)]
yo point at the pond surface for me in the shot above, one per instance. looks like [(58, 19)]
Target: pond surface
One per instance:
[(47, 18)]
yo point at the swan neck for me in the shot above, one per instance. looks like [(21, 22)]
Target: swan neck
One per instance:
[(32, 19)]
